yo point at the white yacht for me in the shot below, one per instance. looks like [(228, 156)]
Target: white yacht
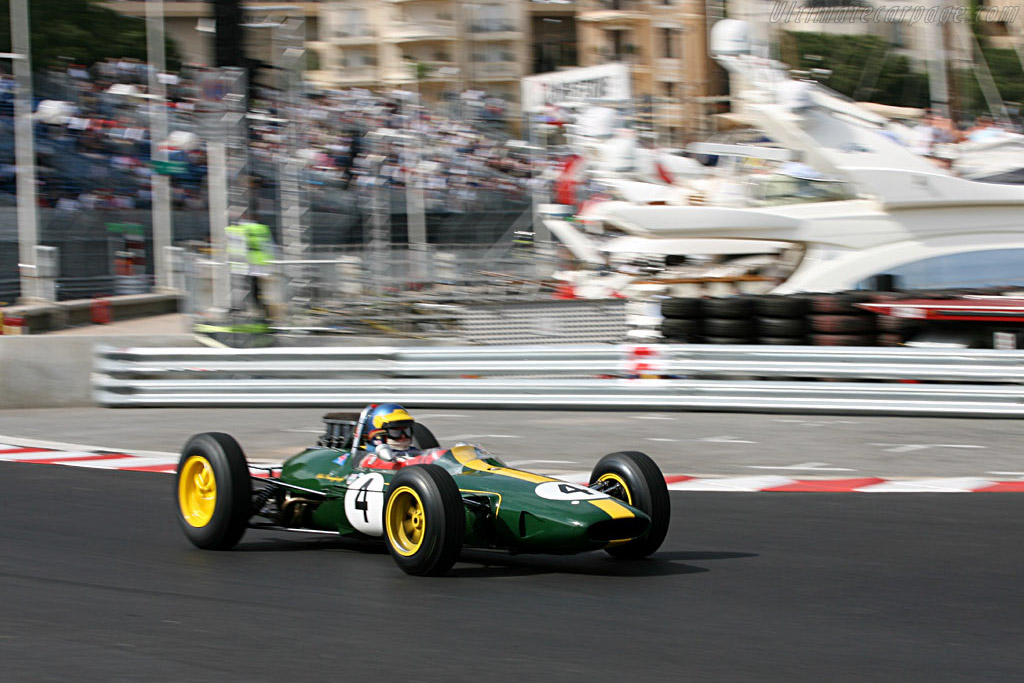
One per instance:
[(867, 207)]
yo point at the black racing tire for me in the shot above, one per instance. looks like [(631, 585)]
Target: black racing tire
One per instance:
[(781, 327), (842, 324), (728, 340), (681, 307), (729, 327), (842, 340), (783, 341), (781, 306), (891, 339), (890, 323), (213, 491), (843, 303), (639, 483), (673, 328), (424, 520), (423, 438), (728, 307)]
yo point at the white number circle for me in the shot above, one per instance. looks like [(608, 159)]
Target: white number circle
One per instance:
[(563, 490), (364, 504)]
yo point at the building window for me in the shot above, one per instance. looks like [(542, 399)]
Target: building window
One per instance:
[(618, 45), (668, 43), (668, 89), (970, 269)]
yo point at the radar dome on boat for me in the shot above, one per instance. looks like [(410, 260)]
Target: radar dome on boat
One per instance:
[(730, 37)]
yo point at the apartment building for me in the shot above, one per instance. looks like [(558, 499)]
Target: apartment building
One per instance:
[(190, 24), (665, 44), (430, 46), (442, 47)]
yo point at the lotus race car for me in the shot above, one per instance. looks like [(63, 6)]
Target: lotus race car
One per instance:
[(427, 508)]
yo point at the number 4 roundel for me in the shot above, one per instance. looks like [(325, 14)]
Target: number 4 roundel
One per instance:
[(561, 490), (364, 504)]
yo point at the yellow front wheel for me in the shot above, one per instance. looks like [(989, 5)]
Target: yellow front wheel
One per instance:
[(634, 478), (197, 491), (406, 521), (213, 491), (424, 520)]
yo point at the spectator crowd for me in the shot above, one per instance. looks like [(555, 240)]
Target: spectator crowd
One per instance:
[(93, 149)]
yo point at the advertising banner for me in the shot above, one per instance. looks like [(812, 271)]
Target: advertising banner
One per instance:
[(588, 84)]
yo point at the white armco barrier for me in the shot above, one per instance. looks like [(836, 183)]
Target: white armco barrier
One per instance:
[(897, 381)]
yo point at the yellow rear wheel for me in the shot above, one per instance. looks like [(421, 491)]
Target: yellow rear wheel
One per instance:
[(213, 491)]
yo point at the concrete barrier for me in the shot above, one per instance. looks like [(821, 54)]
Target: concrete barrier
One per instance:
[(59, 315), (55, 371)]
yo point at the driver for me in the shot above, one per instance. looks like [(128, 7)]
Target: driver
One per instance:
[(389, 432)]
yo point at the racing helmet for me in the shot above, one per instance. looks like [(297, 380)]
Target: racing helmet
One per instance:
[(390, 423)]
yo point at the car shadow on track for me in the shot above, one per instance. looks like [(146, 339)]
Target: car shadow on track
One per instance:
[(489, 564), (588, 564), (304, 543)]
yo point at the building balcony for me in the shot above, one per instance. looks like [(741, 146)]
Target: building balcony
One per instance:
[(499, 30), (616, 6), (355, 75), (422, 31), (486, 71), (671, 66), (353, 35), (437, 72), (495, 36), (605, 11), (551, 8)]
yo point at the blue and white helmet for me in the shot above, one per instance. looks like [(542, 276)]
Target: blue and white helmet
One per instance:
[(389, 423)]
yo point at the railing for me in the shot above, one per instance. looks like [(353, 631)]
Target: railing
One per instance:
[(421, 30), (900, 381)]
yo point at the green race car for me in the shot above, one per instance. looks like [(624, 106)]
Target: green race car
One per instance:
[(426, 508)]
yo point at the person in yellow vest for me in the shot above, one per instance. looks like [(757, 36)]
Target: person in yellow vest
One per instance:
[(250, 251)]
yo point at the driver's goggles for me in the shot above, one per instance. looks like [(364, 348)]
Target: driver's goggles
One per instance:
[(398, 432)]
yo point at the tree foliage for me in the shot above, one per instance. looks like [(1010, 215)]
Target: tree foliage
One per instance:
[(868, 68), (79, 30), (1006, 72), (862, 67)]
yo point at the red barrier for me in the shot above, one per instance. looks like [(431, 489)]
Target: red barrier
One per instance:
[(100, 311), (12, 324)]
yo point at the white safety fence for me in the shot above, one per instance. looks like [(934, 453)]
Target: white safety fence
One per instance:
[(897, 381)]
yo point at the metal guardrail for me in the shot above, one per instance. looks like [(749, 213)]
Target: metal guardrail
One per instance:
[(897, 381)]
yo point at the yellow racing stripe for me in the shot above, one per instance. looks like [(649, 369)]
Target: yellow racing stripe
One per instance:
[(466, 455), (613, 508)]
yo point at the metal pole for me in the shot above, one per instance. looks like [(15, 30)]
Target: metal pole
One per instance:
[(157, 136), (415, 210), (24, 150), (217, 176), (541, 235), (289, 53)]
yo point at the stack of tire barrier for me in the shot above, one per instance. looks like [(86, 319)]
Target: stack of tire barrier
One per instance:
[(729, 320), (795, 319), (742, 319), (893, 331), (836, 320), (682, 320), (781, 320)]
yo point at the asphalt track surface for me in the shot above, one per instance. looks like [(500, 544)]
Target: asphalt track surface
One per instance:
[(717, 444), (99, 584)]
